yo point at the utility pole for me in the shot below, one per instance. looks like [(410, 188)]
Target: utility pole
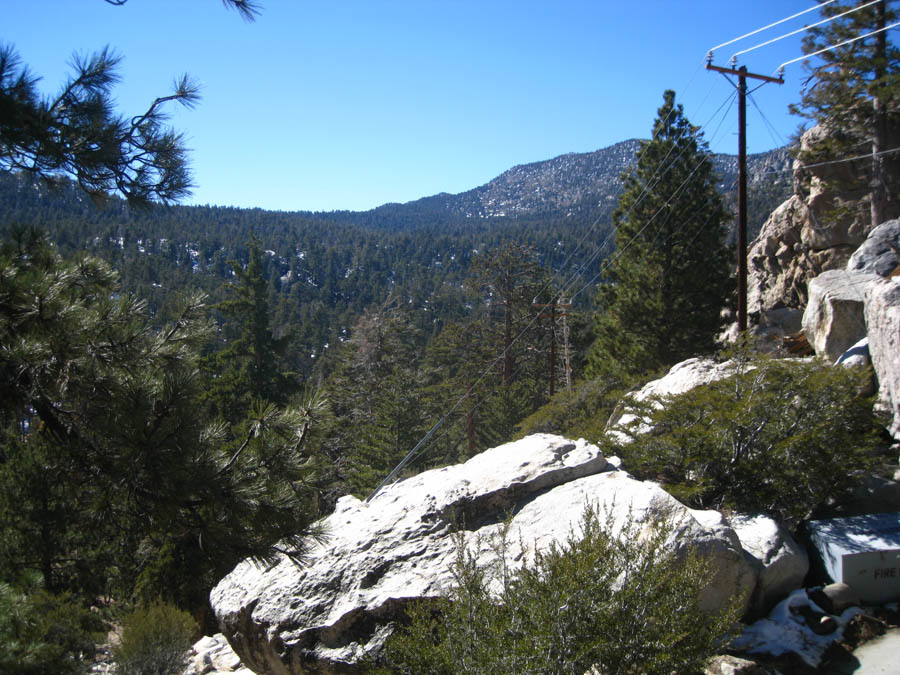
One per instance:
[(879, 128), (566, 350), (742, 76), (553, 316)]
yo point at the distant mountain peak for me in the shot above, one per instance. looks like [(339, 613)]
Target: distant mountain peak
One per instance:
[(574, 182)]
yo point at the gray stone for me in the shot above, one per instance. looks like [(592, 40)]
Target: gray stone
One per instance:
[(873, 494), (835, 598), (212, 655), (882, 312), (399, 546), (732, 665), (786, 319), (781, 561), (834, 317), (878, 253)]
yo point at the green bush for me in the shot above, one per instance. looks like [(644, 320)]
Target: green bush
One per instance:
[(155, 641), (581, 413), (45, 633), (780, 436), (614, 604)]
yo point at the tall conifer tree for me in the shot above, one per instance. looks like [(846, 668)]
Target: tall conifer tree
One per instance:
[(666, 287), (854, 92)]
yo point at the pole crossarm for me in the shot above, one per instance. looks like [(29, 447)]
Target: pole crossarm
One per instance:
[(737, 72)]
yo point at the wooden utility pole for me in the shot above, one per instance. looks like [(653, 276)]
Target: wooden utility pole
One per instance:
[(566, 351), (879, 128), (553, 316), (742, 76)]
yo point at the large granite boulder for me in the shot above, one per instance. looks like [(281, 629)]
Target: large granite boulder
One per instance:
[(882, 307), (399, 546), (834, 319), (880, 252), (781, 561)]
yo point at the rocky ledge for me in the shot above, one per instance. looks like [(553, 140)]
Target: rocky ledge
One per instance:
[(399, 546)]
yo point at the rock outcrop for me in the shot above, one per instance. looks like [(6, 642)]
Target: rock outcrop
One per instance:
[(815, 230), (400, 545), (834, 319), (882, 306), (212, 655), (880, 252)]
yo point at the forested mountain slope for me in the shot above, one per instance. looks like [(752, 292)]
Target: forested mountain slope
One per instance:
[(325, 269)]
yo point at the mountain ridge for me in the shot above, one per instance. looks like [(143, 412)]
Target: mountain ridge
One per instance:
[(563, 186)]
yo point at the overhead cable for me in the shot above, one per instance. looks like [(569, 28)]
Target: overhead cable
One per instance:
[(805, 28), (771, 25), (838, 161), (840, 44)]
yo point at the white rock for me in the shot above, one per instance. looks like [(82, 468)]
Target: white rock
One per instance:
[(782, 562), (400, 546), (212, 654), (856, 356), (814, 230), (834, 317), (882, 311)]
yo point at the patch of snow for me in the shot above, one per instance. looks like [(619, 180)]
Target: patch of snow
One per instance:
[(783, 631)]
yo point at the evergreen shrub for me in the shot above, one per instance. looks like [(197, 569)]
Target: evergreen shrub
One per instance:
[(597, 603), (779, 436), (45, 633), (581, 413), (155, 641)]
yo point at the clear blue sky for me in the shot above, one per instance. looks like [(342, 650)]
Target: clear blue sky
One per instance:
[(349, 104)]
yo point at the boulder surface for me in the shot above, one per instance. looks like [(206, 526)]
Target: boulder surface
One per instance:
[(781, 561), (834, 319), (882, 306), (682, 377), (880, 252), (400, 546), (815, 230)]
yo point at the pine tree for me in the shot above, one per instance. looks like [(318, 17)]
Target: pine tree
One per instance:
[(375, 398), (78, 134), (249, 368), (664, 291), (854, 92), (146, 495)]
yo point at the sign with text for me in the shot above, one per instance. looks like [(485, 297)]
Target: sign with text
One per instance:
[(862, 552)]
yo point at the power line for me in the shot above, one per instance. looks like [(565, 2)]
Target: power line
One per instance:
[(622, 249), (840, 44), (646, 191), (805, 28), (773, 132), (771, 25), (836, 161)]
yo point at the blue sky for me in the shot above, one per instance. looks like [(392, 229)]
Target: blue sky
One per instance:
[(350, 104)]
